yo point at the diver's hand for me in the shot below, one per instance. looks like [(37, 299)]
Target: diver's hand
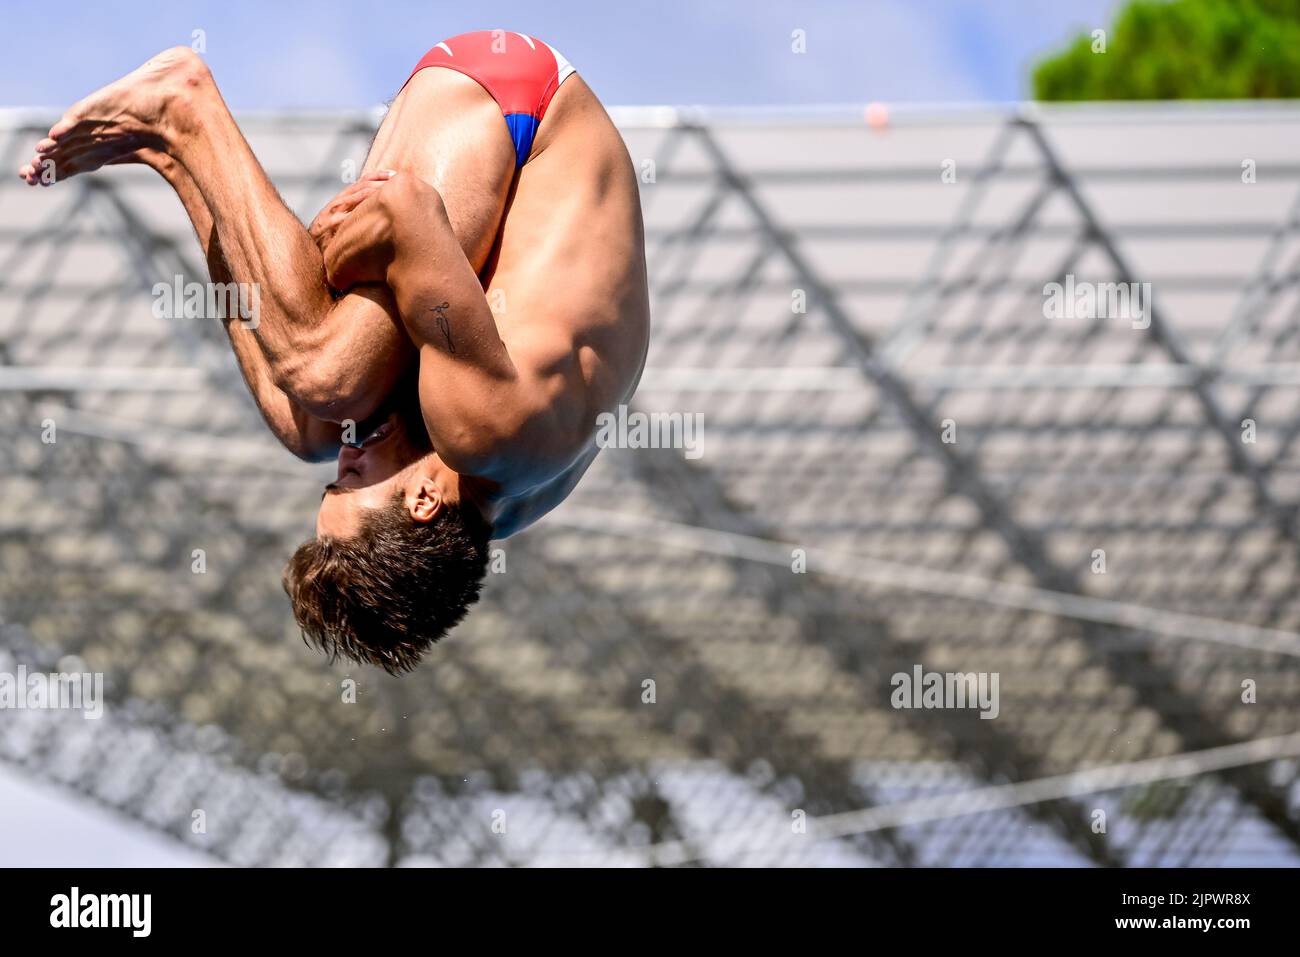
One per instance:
[(330, 218), (362, 246)]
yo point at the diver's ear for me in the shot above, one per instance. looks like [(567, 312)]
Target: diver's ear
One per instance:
[(424, 500)]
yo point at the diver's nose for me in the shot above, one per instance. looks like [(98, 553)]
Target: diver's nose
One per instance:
[(350, 455)]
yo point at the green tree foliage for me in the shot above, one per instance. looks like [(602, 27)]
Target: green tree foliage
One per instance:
[(1186, 49)]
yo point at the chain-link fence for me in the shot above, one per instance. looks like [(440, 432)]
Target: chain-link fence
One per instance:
[(916, 453)]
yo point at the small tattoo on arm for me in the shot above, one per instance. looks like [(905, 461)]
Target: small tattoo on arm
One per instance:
[(444, 325)]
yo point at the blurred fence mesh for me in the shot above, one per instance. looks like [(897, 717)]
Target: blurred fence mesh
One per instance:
[(827, 295)]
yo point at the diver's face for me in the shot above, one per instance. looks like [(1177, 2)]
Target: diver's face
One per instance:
[(369, 476)]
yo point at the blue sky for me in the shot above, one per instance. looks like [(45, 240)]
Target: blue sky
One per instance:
[(334, 54)]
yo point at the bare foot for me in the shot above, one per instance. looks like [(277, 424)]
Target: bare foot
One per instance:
[(143, 111)]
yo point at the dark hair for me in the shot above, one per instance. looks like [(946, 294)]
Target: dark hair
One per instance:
[(385, 595)]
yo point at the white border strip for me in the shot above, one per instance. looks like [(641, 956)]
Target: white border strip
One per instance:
[(870, 571), (998, 797), (100, 379)]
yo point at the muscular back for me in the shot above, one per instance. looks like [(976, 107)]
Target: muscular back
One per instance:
[(559, 248), (569, 271)]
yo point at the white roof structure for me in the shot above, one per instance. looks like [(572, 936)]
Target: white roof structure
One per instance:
[(913, 455)]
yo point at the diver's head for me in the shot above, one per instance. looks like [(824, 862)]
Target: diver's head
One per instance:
[(399, 555)]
